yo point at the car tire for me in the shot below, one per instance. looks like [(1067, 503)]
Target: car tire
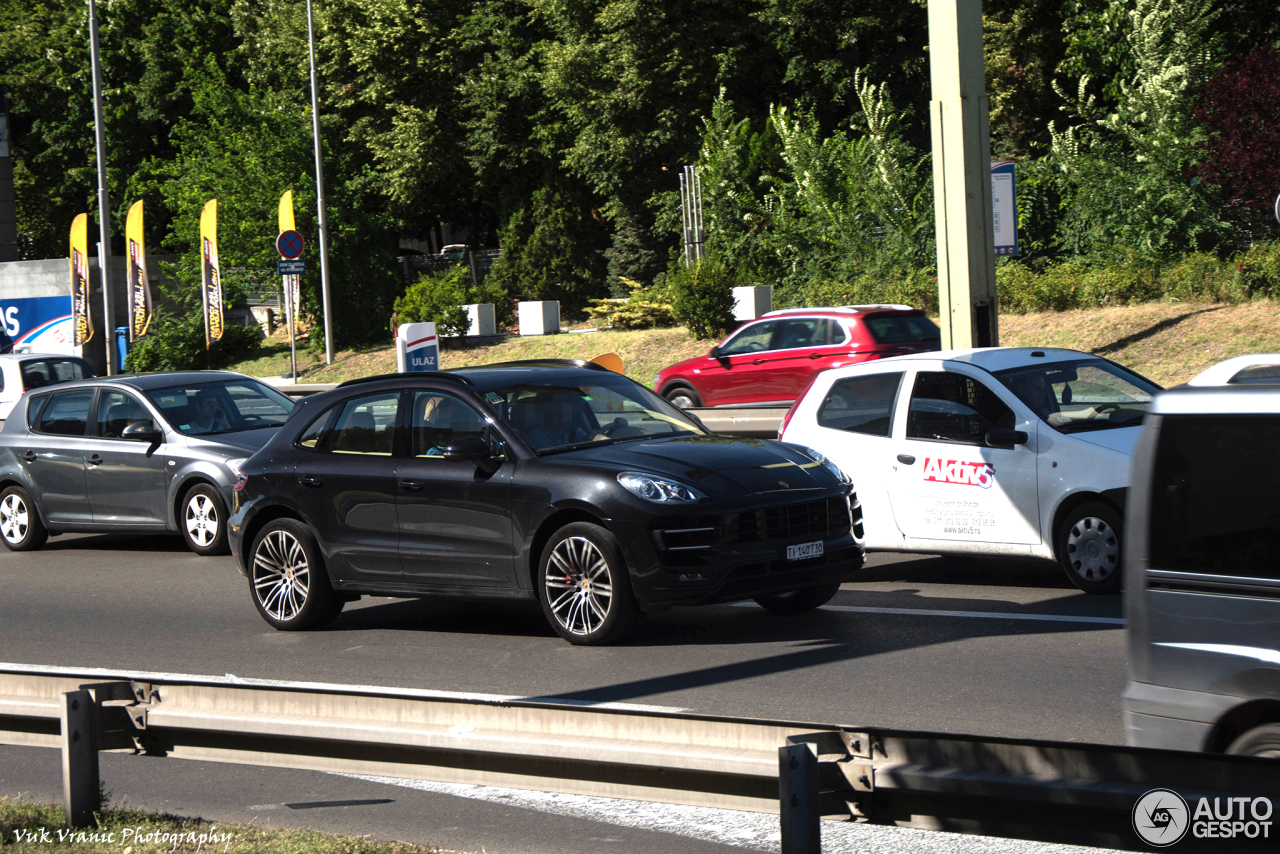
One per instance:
[(682, 397), (584, 586), (287, 579), (202, 518), (799, 601), (1261, 741), (20, 527), (1089, 547)]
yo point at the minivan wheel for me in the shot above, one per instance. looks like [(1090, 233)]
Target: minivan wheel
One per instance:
[(585, 587), (203, 520), (20, 527), (287, 578), (799, 601), (683, 397), (1089, 547), (1262, 741)]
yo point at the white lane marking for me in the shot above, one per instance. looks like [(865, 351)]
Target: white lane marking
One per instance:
[(1270, 656), (423, 693), (985, 615), (738, 828)]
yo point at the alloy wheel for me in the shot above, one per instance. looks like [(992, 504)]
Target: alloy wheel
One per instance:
[(281, 575), (1093, 549), (202, 520), (14, 520), (579, 586)]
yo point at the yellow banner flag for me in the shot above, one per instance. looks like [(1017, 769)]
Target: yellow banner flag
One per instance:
[(210, 273), (81, 321), (286, 211), (139, 287), (291, 288)]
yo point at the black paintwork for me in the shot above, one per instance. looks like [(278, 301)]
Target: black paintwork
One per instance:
[(404, 527)]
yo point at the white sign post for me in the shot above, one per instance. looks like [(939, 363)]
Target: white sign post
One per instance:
[(417, 348)]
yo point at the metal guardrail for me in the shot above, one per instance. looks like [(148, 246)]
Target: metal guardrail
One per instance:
[(1048, 791)]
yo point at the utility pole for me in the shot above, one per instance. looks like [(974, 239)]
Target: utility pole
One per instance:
[(959, 115), (104, 203), (324, 231)]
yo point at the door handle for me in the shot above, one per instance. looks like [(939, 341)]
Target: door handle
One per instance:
[(94, 460), (411, 485), (29, 456), (308, 480), (757, 361), (816, 355), (906, 459)]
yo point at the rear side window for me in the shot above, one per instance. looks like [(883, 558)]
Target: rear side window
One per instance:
[(1214, 505), (66, 414), (34, 406), (901, 329), (949, 407), (314, 434), (365, 425), (861, 404), (803, 332)]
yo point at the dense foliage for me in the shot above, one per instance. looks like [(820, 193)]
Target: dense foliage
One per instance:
[(1144, 131)]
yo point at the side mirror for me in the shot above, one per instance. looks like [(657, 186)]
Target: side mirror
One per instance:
[(715, 352), (999, 437), (468, 449), (142, 431)]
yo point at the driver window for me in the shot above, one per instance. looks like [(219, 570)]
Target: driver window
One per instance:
[(440, 419), (753, 339), (948, 407), (117, 411)]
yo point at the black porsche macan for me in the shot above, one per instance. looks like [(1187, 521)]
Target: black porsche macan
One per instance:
[(557, 481)]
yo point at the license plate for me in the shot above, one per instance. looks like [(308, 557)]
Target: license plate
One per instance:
[(805, 551)]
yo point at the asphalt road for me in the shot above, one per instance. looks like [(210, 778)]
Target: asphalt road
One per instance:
[(1017, 653)]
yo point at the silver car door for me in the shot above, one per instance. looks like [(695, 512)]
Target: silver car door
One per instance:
[(55, 459), (124, 478)]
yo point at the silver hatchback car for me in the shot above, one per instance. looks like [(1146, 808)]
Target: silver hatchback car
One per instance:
[(144, 453)]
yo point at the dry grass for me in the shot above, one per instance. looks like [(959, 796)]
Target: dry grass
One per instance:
[(1169, 343)]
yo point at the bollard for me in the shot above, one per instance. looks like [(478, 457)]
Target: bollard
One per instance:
[(798, 799), (80, 787)]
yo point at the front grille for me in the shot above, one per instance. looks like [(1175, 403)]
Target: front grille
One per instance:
[(813, 520)]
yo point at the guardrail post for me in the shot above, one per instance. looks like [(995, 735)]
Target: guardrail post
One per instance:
[(80, 786), (798, 799)]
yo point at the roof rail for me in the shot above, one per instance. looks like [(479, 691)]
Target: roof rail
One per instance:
[(879, 306), (434, 375)]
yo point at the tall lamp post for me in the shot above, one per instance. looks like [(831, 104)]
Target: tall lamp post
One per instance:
[(324, 231), (104, 203)]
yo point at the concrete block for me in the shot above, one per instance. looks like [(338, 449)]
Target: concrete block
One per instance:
[(752, 302), (539, 318), (483, 319)]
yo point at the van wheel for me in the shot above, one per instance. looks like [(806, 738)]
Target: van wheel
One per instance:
[(683, 397), (1262, 741), (585, 587), (1089, 547), (20, 525), (799, 601)]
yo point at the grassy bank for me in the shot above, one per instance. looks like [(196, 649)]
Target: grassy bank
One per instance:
[(1168, 342), (30, 827)]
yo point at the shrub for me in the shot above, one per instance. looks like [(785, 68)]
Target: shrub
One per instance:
[(176, 343), (646, 308), (702, 298), (438, 299)]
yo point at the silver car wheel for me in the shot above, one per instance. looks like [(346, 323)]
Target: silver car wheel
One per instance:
[(682, 400), (281, 575), (14, 520), (579, 586), (1093, 548), (202, 520)]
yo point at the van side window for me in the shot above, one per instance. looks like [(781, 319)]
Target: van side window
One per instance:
[(861, 404), (949, 407), (1213, 497)]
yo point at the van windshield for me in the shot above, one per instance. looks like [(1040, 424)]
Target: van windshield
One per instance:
[(1085, 394)]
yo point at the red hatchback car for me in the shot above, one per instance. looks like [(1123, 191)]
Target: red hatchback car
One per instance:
[(770, 361)]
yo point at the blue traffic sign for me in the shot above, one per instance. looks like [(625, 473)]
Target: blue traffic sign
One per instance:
[(289, 244), (291, 267)]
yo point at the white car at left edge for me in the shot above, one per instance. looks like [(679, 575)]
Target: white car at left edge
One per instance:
[(1000, 451)]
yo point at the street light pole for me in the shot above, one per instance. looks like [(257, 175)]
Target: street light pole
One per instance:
[(104, 203), (324, 231)]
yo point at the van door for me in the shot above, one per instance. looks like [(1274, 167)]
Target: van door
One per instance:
[(948, 485)]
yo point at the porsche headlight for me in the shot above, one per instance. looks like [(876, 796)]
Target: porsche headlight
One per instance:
[(822, 460), (658, 489)]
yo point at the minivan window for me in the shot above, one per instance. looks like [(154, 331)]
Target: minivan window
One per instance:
[(67, 414), (1214, 507), (861, 404)]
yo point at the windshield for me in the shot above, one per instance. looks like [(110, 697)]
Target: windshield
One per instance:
[(224, 406), (1087, 394), (559, 415)]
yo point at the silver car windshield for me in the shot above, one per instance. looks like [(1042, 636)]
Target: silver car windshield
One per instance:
[(223, 406), (560, 415), (1087, 394)]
